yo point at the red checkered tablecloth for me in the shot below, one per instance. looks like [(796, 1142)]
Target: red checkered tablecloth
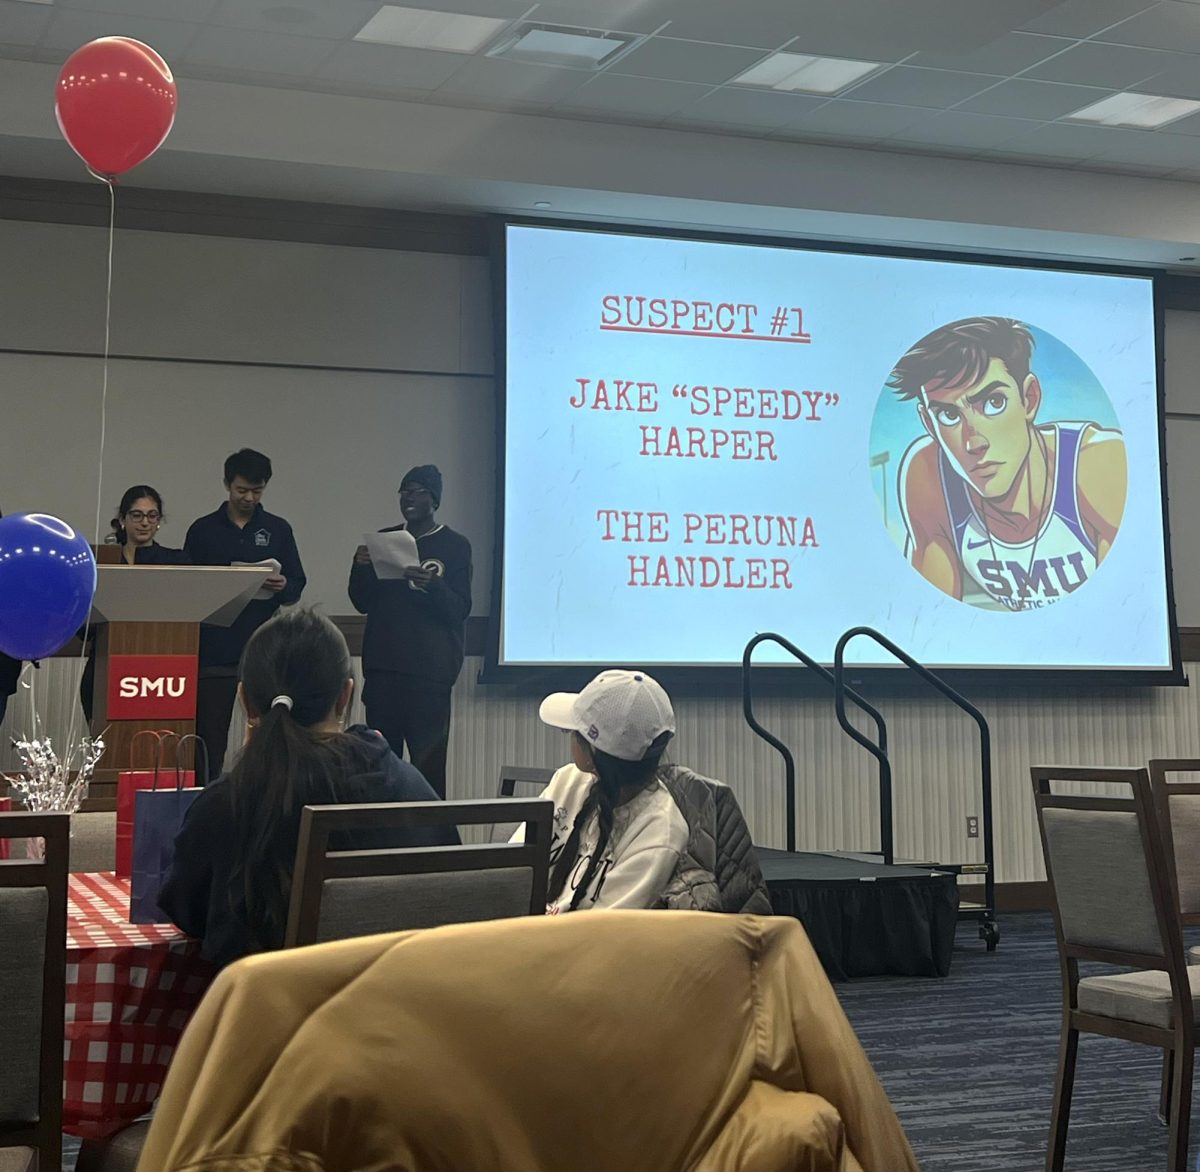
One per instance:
[(130, 991)]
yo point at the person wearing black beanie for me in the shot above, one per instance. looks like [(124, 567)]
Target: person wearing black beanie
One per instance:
[(413, 645)]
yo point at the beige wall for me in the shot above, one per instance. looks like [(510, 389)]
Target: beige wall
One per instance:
[(411, 333)]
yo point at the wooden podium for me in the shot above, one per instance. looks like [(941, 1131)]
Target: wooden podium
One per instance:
[(148, 639)]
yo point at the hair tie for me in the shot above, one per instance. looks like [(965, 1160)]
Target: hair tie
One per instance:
[(286, 701)]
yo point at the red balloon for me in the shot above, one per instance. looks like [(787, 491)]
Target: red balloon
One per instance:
[(115, 103)]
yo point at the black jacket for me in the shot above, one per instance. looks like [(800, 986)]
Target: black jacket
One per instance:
[(214, 540), (10, 673), (199, 893), (417, 632)]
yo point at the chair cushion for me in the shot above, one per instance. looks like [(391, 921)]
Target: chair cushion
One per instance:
[(118, 1153), (93, 841), (1144, 997), (368, 904), (23, 912)]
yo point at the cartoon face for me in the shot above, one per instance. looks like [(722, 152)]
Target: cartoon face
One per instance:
[(986, 428)]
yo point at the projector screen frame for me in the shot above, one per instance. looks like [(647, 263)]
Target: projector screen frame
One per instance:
[(784, 677)]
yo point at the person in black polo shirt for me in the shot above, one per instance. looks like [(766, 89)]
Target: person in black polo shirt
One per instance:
[(413, 645), (241, 530)]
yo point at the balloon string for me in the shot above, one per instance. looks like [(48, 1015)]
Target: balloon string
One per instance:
[(112, 215), (112, 219)]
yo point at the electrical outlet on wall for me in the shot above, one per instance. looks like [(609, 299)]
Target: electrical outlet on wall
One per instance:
[(972, 825)]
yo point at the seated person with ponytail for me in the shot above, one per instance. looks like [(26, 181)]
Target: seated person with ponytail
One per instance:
[(230, 881), (618, 837)]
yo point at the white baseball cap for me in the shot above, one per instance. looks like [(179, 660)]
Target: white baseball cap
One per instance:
[(621, 713)]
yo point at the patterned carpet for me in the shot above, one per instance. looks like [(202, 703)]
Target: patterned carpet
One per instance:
[(969, 1063)]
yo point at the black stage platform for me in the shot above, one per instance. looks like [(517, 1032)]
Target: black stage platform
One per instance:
[(865, 919)]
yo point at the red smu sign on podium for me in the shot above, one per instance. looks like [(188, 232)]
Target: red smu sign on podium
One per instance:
[(151, 687)]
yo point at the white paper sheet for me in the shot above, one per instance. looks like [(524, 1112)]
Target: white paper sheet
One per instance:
[(392, 553), (266, 564)]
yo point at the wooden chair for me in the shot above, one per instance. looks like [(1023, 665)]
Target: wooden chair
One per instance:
[(339, 894), (33, 974), (512, 776), (1114, 903), (1178, 806)]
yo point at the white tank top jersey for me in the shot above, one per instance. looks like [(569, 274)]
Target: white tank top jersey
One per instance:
[(1022, 575)]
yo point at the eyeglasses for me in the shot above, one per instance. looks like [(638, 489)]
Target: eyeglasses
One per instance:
[(139, 516)]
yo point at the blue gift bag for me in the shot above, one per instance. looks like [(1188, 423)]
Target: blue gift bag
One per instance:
[(158, 814)]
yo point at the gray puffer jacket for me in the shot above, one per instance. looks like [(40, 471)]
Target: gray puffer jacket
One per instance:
[(719, 871)]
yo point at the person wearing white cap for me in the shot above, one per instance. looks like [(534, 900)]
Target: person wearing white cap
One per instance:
[(618, 835)]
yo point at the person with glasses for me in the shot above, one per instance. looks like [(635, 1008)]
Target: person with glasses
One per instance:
[(413, 645), (240, 531), (134, 529)]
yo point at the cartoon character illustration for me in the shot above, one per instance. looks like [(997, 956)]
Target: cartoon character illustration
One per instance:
[(1001, 511)]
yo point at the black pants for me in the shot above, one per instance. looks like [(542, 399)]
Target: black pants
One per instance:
[(414, 713), (87, 689), (215, 696)]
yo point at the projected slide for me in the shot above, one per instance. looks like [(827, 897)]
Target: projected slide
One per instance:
[(705, 440)]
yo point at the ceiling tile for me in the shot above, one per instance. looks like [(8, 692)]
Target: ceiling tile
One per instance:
[(1152, 148), (937, 88), (858, 120), (1189, 125), (505, 83), (508, 9), (1165, 26), (967, 131), (309, 18), (1064, 140), (674, 60), (237, 49), (22, 24), (1005, 56), (720, 22), (1044, 100), (1180, 78), (194, 10), (650, 99), (760, 109), (390, 67), (1093, 63), (169, 38), (628, 16), (1084, 18)]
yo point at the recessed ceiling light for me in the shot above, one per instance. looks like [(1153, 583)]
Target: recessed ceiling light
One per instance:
[(419, 28), (799, 73), (1140, 111), (562, 45)]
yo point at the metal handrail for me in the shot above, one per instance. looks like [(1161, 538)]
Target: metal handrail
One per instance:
[(960, 701), (789, 763)]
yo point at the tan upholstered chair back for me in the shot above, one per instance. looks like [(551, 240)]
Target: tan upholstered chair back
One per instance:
[(1098, 864), (33, 938), (1178, 806), (1107, 865)]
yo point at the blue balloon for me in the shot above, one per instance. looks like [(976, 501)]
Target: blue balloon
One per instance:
[(47, 582)]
